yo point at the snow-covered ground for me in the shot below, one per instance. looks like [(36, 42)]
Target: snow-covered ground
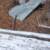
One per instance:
[(12, 41)]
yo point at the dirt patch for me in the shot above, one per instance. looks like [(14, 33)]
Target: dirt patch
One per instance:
[(5, 19), (29, 24)]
